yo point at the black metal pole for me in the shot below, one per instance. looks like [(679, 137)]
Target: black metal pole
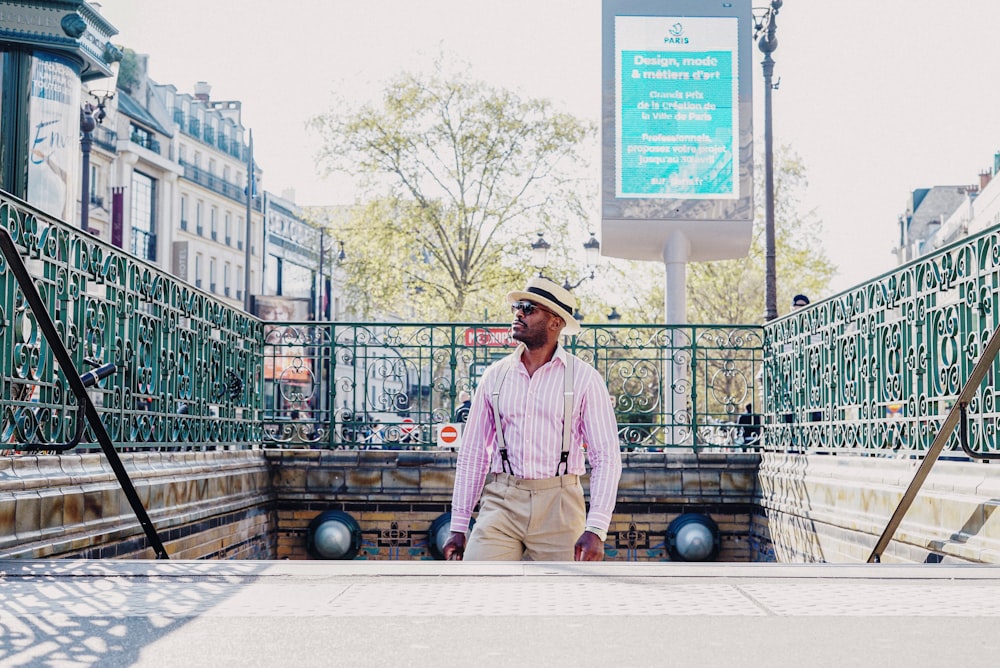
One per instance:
[(248, 252), (321, 288), (87, 125), (767, 44)]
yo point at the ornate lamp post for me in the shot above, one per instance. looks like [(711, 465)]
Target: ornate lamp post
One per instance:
[(765, 27), (323, 310), (90, 118), (540, 254)]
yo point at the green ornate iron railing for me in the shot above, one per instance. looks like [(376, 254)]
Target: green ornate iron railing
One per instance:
[(878, 367), (395, 385), (188, 367), (874, 369)]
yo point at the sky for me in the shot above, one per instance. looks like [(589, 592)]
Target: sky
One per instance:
[(878, 98)]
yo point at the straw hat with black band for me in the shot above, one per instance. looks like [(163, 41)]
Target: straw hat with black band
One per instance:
[(554, 297)]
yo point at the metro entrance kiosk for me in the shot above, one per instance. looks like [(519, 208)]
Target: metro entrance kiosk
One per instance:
[(676, 139)]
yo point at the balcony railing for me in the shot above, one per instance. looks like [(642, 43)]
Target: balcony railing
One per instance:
[(217, 184), (144, 244), (146, 141), (106, 138)]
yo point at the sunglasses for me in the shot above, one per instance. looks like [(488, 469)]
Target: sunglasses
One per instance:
[(527, 308)]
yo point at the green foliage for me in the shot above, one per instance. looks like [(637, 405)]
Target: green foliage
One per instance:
[(128, 71), (457, 175), (732, 291)]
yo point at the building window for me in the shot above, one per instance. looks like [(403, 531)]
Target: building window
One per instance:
[(225, 279), (197, 218), (143, 216), (272, 271), (95, 176), (211, 274), (143, 137), (214, 223), (229, 229), (197, 270), (184, 215)]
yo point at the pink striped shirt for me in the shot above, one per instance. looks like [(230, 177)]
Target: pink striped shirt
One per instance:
[(531, 415)]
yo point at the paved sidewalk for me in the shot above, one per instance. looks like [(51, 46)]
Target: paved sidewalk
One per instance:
[(356, 614)]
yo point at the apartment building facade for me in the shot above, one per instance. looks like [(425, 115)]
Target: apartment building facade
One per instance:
[(169, 182)]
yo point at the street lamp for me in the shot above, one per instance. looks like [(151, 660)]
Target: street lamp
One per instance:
[(90, 117), (323, 312), (540, 255), (765, 27)]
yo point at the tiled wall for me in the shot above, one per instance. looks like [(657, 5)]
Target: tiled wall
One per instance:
[(203, 505), (258, 504), (396, 495)]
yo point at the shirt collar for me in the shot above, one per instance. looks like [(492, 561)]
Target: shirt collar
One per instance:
[(559, 354)]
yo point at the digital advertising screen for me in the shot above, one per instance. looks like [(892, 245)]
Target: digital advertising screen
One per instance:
[(676, 129), (678, 107)]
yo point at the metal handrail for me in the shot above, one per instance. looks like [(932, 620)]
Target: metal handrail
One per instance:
[(956, 416), (78, 384)]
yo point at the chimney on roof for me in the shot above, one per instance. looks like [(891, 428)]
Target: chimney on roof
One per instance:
[(984, 179), (201, 91)]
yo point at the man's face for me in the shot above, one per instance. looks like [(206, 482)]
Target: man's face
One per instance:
[(532, 329)]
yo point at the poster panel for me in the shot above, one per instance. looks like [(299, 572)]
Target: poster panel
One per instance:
[(54, 135)]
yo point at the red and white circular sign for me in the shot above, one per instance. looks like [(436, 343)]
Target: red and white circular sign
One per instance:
[(449, 435)]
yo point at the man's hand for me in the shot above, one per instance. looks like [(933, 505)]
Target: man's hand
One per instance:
[(454, 547), (588, 548)]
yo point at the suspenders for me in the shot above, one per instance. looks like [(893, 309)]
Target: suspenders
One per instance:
[(567, 413)]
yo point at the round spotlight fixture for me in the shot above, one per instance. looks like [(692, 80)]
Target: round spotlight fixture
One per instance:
[(333, 534), (693, 537)]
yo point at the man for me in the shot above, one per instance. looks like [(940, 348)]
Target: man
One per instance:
[(533, 414), (799, 301)]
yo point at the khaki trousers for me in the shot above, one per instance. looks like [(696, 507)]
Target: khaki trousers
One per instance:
[(535, 520)]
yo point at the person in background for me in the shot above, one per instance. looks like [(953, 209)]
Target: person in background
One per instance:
[(462, 412), (799, 301), (749, 426), (532, 505)]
